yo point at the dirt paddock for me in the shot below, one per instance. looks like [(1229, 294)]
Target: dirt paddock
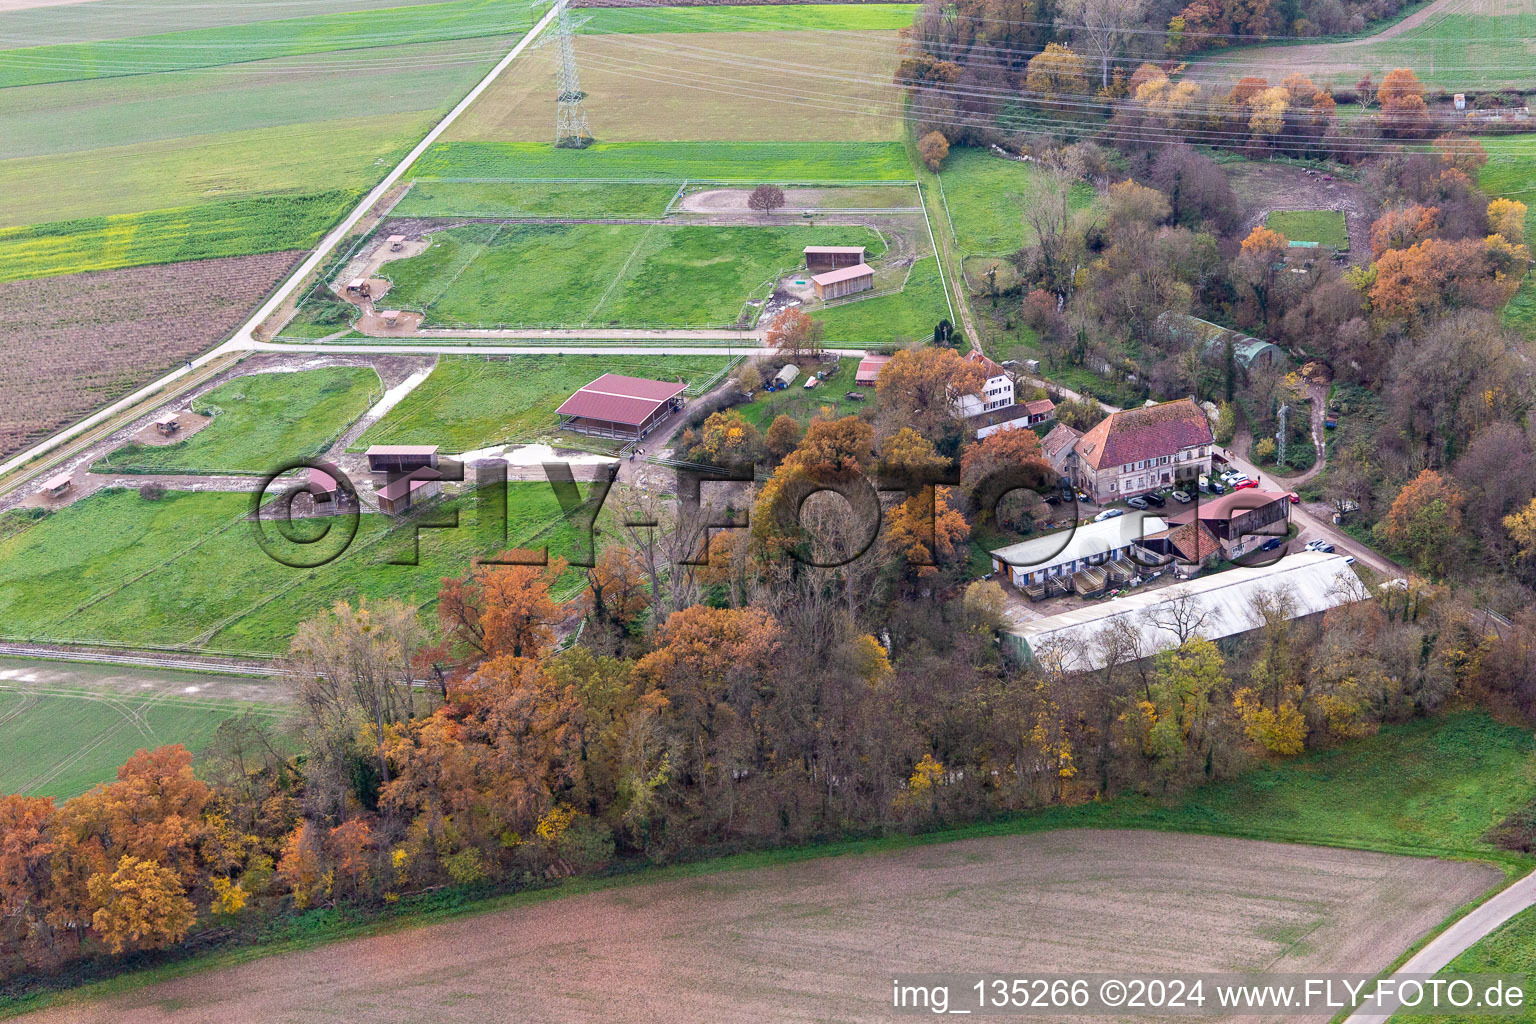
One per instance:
[(821, 940)]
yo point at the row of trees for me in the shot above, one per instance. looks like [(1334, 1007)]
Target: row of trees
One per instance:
[(717, 727)]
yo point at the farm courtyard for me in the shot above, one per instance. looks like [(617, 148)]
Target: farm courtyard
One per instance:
[(822, 939)]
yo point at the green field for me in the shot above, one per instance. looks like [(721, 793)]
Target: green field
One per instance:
[(261, 423), (287, 160), (1325, 227), (981, 194), (1511, 172), (765, 18), (48, 24), (614, 275), (471, 402), (909, 314), (231, 44), (238, 227), (1430, 787), (68, 117), (783, 162), (117, 567), (1449, 49), (1511, 949), (62, 741), (528, 199)]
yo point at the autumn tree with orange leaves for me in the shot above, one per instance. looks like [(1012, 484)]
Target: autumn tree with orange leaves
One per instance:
[(1425, 520), (1403, 227), (794, 333), (1259, 264), (616, 595), (1404, 114), (924, 534), (1006, 459), (708, 664), (918, 388), (500, 609)]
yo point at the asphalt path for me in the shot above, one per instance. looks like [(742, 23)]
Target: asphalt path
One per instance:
[(1455, 940)]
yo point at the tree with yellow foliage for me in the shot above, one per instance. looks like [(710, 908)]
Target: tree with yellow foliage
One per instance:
[(1280, 730), (1056, 72), (1507, 217), (140, 905), (1175, 714), (1521, 527)]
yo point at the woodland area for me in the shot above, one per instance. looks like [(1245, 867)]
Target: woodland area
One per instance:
[(751, 701)]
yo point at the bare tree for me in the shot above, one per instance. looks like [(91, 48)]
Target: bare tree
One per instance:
[(1101, 26), (766, 198), (350, 665), (1182, 616), (1047, 211)]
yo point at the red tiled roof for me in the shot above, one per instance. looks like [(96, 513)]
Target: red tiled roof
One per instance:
[(615, 398), (852, 273), (992, 369), (1039, 406), (1229, 505), (1060, 438), (1150, 432), (869, 369), (322, 480), (1194, 541)]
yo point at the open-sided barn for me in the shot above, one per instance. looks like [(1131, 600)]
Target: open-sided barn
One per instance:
[(819, 258), (619, 406)]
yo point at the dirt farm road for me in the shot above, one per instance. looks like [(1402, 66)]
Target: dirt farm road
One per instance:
[(244, 338), (822, 939)]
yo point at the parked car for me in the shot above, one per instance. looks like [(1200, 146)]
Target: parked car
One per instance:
[(1272, 543), (1217, 487), (1155, 499), (1244, 482), (1138, 502), (1108, 513), (1293, 497), (1349, 559), (1320, 545), (1182, 498)]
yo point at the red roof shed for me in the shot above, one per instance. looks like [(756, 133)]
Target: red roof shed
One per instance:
[(619, 406)]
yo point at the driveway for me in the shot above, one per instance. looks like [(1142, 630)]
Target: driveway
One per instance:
[(1313, 527)]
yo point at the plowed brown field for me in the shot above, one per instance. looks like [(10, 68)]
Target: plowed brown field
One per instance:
[(72, 343), (821, 940)]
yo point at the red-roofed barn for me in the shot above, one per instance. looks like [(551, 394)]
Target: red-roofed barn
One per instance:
[(869, 369), (834, 284), (619, 406)]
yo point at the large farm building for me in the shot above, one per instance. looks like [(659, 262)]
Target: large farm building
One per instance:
[(619, 406)]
